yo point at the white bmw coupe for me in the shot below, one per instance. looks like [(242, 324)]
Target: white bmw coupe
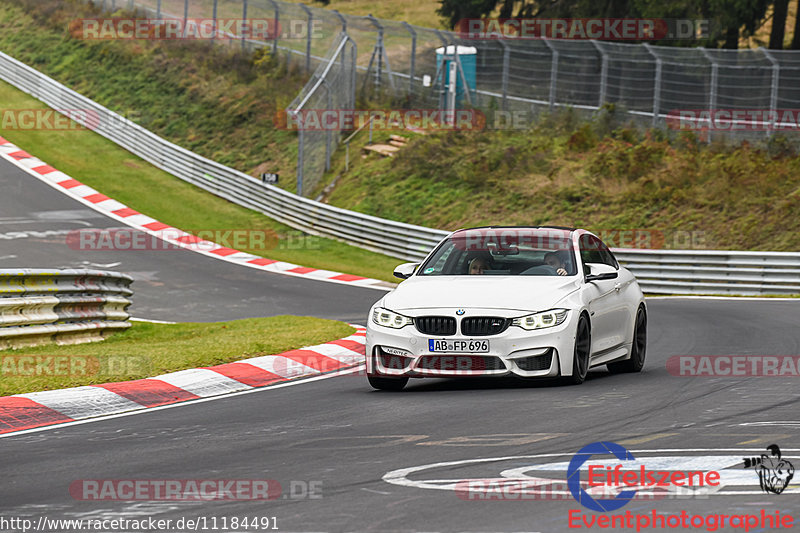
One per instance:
[(532, 302)]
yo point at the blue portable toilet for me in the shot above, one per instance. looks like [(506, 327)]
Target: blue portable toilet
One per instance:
[(467, 56)]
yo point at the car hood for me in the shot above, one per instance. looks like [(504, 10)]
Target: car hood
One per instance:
[(525, 293)]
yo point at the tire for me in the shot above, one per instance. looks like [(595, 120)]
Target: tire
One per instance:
[(390, 384), (580, 357), (638, 348)]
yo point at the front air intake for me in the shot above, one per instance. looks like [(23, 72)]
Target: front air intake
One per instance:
[(436, 325)]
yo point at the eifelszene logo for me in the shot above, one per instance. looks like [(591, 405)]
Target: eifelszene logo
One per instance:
[(774, 473)]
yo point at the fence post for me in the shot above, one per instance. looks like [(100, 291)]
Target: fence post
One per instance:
[(245, 26), (276, 28), (440, 70), (214, 20), (460, 72), (413, 58), (342, 20), (353, 72), (309, 22), (300, 161), (553, 73), (712, 95), (656, 85), (185, 16), (773, 95), (506, 65), (603, 73), (328, 132), (378, 50)]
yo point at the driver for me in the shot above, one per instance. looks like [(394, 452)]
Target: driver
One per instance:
[(552, 259), (478, 265)]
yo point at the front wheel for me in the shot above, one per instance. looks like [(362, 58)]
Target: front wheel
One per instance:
[(638, 348), (391, 384), (580, 357)]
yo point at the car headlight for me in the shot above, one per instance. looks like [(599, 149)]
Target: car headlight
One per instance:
[(545, 319), (390, 319)]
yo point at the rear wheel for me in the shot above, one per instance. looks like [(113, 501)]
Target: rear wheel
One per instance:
[(638, 347), (580, 358), (392, 384)]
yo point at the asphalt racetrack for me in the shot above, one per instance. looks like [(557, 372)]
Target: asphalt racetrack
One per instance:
[(351, 459)]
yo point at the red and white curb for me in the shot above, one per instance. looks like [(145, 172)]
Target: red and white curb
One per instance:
[(116, 210), (37, 409)]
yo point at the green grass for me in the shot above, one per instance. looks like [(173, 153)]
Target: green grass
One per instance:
[(603, 175), (119, 174), (147, 350)]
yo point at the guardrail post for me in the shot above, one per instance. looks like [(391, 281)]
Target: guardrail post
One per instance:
[(712, 95), (413, 58), (773, 95), (309, 23), (245, 25), (656, 85), (553, 73), (158, 10), (603, 73), (506, 65)]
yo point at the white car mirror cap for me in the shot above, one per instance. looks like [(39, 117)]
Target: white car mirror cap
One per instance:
[(405, 270)]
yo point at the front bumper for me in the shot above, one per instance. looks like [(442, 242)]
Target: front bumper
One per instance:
[(539, 353)]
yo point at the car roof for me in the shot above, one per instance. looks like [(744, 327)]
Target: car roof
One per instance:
[(564, 228)]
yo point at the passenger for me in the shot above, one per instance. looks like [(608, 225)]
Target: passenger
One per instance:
[(554, 260)]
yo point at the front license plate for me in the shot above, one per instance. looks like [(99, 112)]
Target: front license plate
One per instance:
[(458, 346)]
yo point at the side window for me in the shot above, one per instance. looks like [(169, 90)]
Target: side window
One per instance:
[(590, 249), (608, 257)]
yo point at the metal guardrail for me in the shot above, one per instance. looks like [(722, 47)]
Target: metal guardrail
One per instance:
[(62, 306), (713, 271), (659, 271)]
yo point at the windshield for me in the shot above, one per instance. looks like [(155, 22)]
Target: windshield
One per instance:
[(503, 252)]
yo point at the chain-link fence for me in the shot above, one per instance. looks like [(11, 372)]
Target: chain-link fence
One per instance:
[(331, 88), (741, 92)]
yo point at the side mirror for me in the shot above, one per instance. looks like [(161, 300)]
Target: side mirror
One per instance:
[(405, 271), (600, 271)]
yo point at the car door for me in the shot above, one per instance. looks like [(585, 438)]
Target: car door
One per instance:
[(605, 303)]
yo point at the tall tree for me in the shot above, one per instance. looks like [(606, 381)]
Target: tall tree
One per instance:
[(779, 11), (796, 36)]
